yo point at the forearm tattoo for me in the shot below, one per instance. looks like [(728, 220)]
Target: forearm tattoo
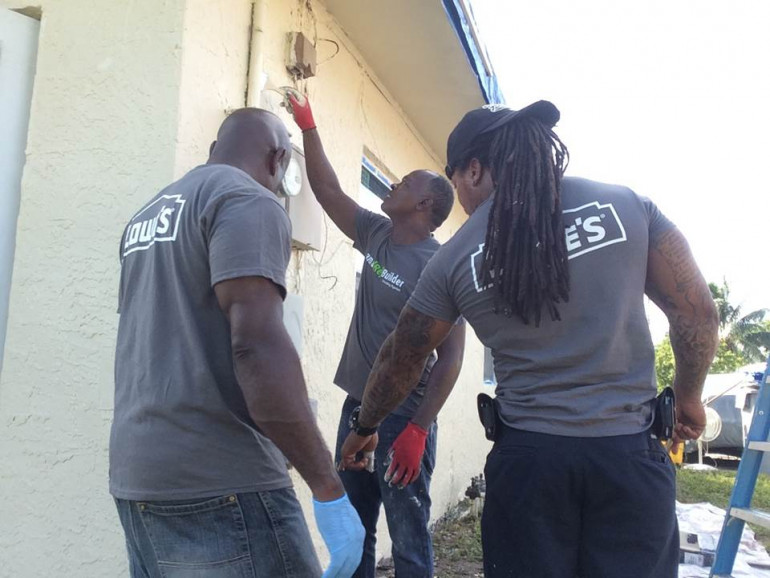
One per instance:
[(398, 367), (690, 311)]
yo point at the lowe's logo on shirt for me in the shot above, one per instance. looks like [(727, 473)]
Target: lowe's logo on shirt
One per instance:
[(592, 227), (157, 222), (587, 228)]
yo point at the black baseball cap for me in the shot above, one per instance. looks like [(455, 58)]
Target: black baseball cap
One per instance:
[(486, 119)]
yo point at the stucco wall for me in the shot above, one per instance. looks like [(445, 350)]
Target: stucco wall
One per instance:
[(128, 96), (102, 134)]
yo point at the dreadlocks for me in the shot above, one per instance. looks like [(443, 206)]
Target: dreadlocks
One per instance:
[(525, 255)]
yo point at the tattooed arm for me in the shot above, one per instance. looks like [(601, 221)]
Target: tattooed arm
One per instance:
[(442, 377), (396, 372), (676, 285), (400, 363)]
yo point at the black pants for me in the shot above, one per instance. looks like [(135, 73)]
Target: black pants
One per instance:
[(561, 507)]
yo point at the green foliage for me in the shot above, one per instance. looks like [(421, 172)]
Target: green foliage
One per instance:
[(457, 543), (664, 364), (725, 361), (743, 339), (746, 335), (715, 488)]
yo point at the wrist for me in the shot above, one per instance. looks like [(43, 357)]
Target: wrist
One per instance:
[(687, 397), (417, 429), (422, 422), (304, 119), (328, 491), (358, 428)]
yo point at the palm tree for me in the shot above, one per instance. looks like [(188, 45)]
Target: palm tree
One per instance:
[(747, 335)]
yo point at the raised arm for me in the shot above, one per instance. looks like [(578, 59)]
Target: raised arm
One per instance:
[(323, 180), (676, 285)]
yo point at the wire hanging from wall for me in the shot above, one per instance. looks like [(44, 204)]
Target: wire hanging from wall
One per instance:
[(320, 260), (330, 41)]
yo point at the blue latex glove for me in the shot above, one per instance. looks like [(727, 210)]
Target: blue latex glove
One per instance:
[(343, 534)]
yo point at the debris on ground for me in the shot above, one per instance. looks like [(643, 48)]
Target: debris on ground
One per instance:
[(705, 520), (457, 544)]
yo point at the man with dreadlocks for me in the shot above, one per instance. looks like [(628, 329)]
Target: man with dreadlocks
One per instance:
[(551, 273)]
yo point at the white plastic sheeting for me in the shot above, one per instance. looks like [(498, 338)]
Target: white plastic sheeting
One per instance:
[(706, 521)]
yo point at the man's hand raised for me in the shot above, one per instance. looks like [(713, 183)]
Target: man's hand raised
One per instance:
[(300, 108)]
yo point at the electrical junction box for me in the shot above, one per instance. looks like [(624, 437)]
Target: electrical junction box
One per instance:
[(300, 55), (304, 211)]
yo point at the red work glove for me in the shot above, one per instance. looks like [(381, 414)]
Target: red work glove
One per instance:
[(300, 108), (406, 456)]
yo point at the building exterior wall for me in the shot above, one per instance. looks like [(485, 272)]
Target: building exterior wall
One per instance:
[(128, 96)]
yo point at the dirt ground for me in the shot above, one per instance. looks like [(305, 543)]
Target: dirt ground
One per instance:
[(456, 545)]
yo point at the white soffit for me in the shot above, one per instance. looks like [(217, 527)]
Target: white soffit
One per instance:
[(413, 49)]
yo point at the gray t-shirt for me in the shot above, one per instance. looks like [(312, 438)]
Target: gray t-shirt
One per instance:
[(388, 278), (181, 427), (592, 373)]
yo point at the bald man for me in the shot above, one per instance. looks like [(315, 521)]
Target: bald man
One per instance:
[(208, 387)]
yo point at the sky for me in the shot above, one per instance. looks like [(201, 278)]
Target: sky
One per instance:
[(669, 98)]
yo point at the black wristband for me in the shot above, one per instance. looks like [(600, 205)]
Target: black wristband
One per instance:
[(356, 428)]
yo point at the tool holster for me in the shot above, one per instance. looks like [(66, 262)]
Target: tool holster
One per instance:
[(665, 415), (489, 415)]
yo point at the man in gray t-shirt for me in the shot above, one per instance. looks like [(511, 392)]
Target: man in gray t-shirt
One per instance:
[(208, 387), (395, 251), (551, 273)]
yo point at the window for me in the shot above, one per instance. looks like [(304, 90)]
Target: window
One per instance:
[(374, 187), (373, 179)]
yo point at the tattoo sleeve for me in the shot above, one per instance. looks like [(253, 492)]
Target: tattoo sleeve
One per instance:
[(400, 364), (676, 285)]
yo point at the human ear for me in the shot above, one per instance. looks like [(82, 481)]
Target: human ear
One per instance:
[(278, 162), (476, 172)]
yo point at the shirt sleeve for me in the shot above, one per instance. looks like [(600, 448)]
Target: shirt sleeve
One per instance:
[(658, 222), (248, 235), (368, 225), (432, 297)]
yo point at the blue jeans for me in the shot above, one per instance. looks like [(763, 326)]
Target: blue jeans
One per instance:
[(261, 534), (407, 510)]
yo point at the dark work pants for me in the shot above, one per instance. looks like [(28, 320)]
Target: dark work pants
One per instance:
[(562, 507)]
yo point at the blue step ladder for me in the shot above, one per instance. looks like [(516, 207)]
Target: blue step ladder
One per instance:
[(739, 510)]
